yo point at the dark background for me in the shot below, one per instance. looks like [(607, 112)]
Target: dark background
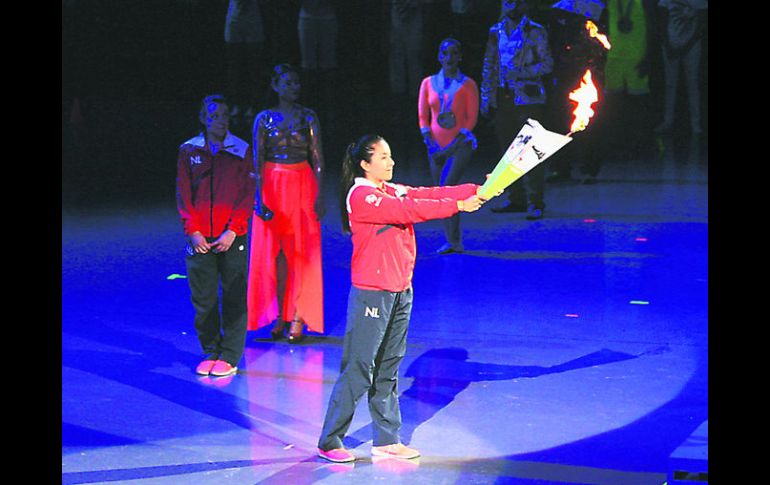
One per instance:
[(134, 71)]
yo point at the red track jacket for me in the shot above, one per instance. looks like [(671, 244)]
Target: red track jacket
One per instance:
[(215, 192), (382, 223)]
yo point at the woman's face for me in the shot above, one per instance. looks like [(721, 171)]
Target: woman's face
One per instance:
[(449, 55), (216, 119), (380, 167), (287, 86)]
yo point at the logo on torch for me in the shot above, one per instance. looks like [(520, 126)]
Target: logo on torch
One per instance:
[(584, 95)]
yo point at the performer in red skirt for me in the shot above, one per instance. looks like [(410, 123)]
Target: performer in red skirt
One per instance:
[(285, 276)]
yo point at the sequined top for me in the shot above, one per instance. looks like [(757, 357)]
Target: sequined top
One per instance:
[(278, 143), (516, 61)]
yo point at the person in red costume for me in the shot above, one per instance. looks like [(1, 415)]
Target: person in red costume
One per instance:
[(448, 109), (380, 217), (214, 197), (285, 274)]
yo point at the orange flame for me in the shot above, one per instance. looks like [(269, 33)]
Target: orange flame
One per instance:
[(584, 95), (593, 31)]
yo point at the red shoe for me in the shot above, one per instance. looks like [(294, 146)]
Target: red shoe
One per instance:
[(337, 455), (204, 368), (395, 451), (222, 369)]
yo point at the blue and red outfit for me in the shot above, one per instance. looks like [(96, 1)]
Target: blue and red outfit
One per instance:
[(380, 302), (215, 193)]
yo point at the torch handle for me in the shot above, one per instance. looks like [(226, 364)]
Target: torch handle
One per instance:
[(529, 148)]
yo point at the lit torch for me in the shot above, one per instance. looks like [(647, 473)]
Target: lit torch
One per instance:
[(534, 144), (531, 146), (584, 95), (593, 31)]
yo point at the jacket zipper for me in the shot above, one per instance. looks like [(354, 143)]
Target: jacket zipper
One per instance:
[(211, 200)]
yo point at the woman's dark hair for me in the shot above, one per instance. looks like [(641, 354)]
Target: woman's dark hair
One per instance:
[(351, 168), (450, 41), (280, 70)]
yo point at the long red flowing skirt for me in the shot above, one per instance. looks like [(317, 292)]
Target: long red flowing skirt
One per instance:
[(289, 190)]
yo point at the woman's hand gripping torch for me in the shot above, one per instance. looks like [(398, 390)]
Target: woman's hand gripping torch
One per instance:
[(534, 144)]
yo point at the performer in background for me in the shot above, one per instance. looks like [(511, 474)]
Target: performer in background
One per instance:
[(214, 194), (380, 217), (244, 57), (285, 275), (516, 59), (629, 108), (683, 25), (574, 51), (448, 108)]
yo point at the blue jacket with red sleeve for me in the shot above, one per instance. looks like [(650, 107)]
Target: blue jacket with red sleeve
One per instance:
[(382, 224), (215, 192)]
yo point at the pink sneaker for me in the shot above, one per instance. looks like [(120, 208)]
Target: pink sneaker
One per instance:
[(337, 455), (204, 368), (222, 369), (396, 450)]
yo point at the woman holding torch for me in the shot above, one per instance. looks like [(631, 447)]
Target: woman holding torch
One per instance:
[(380, 217)]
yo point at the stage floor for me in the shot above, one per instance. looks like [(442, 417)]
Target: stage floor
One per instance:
[(569, 350)]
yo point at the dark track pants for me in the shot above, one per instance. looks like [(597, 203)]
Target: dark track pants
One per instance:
[(374, 346), (223, 337)]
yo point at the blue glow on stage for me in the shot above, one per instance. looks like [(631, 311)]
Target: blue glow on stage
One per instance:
[(567, 350)]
